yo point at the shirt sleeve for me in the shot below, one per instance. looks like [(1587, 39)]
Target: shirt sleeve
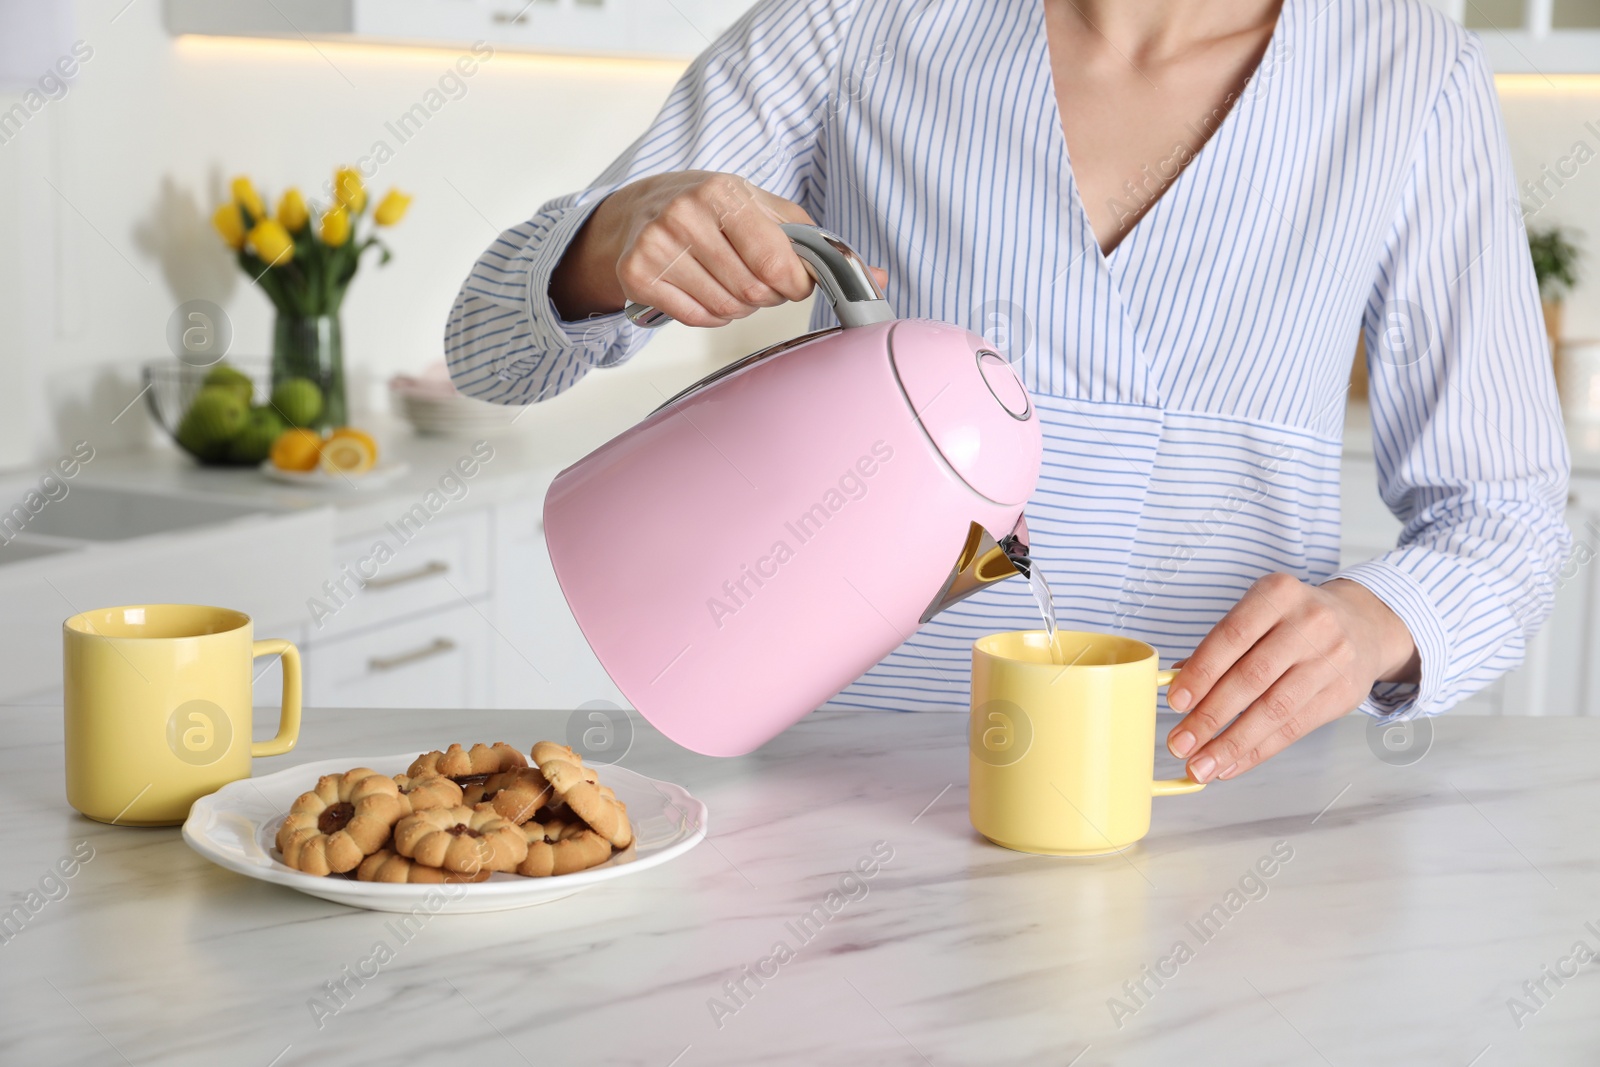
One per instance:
[(754, 103), (1471, 452)]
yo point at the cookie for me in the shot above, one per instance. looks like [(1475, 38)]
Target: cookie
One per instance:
[(387, 866), (517, 795), (458, 763), (552, 855), (346, 818), (594, 804), (460, 839), (428, 791)]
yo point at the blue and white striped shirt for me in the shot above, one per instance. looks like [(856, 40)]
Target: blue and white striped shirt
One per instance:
[(1192, 382)]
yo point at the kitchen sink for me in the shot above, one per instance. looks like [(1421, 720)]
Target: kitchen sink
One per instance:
[(101, 513)]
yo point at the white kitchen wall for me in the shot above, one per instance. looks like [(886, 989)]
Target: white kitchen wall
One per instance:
[(108, 192), (1554, 127), (104, 221)]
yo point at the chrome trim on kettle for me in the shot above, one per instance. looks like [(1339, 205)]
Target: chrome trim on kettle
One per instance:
[(982, 562)]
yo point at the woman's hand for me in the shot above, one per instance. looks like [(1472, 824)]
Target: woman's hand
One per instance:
[(705, 248), (1286, 659)]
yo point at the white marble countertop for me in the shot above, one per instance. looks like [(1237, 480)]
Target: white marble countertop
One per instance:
[(1415, 902)]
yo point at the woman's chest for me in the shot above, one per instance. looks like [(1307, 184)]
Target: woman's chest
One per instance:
[(945, 161)]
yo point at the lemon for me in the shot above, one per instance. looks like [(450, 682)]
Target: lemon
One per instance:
[(360, 435), (349, 451), (297, 450)]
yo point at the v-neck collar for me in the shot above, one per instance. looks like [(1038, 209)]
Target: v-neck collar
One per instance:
[(1213, 145)]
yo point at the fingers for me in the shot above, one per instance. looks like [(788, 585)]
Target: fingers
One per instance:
[(690, 303), (1246, 682), (710, 249), (1286, 659), (769, 261), (1264, 730), (1244, 624), (1275, 707)]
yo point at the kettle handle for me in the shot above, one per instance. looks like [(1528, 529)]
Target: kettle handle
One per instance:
[(839, 272)]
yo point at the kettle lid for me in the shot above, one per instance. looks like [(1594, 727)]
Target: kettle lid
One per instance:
[(973, 407)]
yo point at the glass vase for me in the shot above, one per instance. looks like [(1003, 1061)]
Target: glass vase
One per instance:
[(312, 346)]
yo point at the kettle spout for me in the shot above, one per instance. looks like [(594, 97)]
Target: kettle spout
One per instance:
[(982, 562)]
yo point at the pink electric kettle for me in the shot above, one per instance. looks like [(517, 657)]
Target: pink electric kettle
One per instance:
[(768, 534)]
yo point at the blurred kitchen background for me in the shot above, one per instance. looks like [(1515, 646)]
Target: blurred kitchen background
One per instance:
[(111, 178)]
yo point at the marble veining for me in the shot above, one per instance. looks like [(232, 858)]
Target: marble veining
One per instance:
[(1417, 905)]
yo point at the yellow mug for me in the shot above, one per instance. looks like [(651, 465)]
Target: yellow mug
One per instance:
[(158, 701), (1062, 749)]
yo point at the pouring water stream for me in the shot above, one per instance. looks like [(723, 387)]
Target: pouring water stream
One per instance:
[(1047, 607)]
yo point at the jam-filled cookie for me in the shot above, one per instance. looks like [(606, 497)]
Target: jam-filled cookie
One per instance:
[(346, 818), (464, 840), (517, 795), (428, 791), (388, 866), (578, 788), (458, 763), (571, 848)]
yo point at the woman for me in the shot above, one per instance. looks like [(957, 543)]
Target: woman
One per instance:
[(1248, 186)]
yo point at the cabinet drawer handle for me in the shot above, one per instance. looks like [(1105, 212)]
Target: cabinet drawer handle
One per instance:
[(437, 647), (427, 570)]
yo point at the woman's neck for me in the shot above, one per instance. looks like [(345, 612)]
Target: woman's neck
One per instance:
[(1154, 32)]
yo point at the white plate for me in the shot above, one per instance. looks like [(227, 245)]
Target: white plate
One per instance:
[(235, 827), (381, 474)]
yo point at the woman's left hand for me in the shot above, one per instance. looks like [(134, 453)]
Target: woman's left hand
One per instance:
[(1287, 658)]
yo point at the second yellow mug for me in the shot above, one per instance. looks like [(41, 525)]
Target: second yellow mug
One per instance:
[(1062, 747), (158, 707)]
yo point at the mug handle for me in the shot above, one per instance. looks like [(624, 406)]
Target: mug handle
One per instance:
[(289, 717), (1165, 787)]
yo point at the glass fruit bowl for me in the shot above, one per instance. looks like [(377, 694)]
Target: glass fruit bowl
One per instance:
[(227, 414)]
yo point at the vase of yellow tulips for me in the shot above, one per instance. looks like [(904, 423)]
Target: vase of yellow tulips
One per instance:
[(304, 259)]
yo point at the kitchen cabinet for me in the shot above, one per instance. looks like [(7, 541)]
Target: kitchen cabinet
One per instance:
[(675, 29), (439, 659), (541, 659), (401, 569)]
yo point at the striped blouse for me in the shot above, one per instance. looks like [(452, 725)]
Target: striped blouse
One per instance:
[(1192, 383)]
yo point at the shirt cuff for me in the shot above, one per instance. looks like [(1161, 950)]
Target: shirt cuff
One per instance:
[(1404, 595), (592, 341)]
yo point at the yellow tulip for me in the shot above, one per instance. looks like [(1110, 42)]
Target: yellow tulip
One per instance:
[(292, 211), (392, 208), (245, 195), (272, 242), (230, 224), (335, 227), (348, 189)]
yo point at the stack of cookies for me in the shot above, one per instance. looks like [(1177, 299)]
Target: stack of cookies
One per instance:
[(458, 816)]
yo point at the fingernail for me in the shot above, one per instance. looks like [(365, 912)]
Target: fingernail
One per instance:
[(1181, 743), (1178, 700), (1200, 770), (1230, 771)]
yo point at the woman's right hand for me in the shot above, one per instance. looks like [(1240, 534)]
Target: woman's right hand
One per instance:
[(706, 248)]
